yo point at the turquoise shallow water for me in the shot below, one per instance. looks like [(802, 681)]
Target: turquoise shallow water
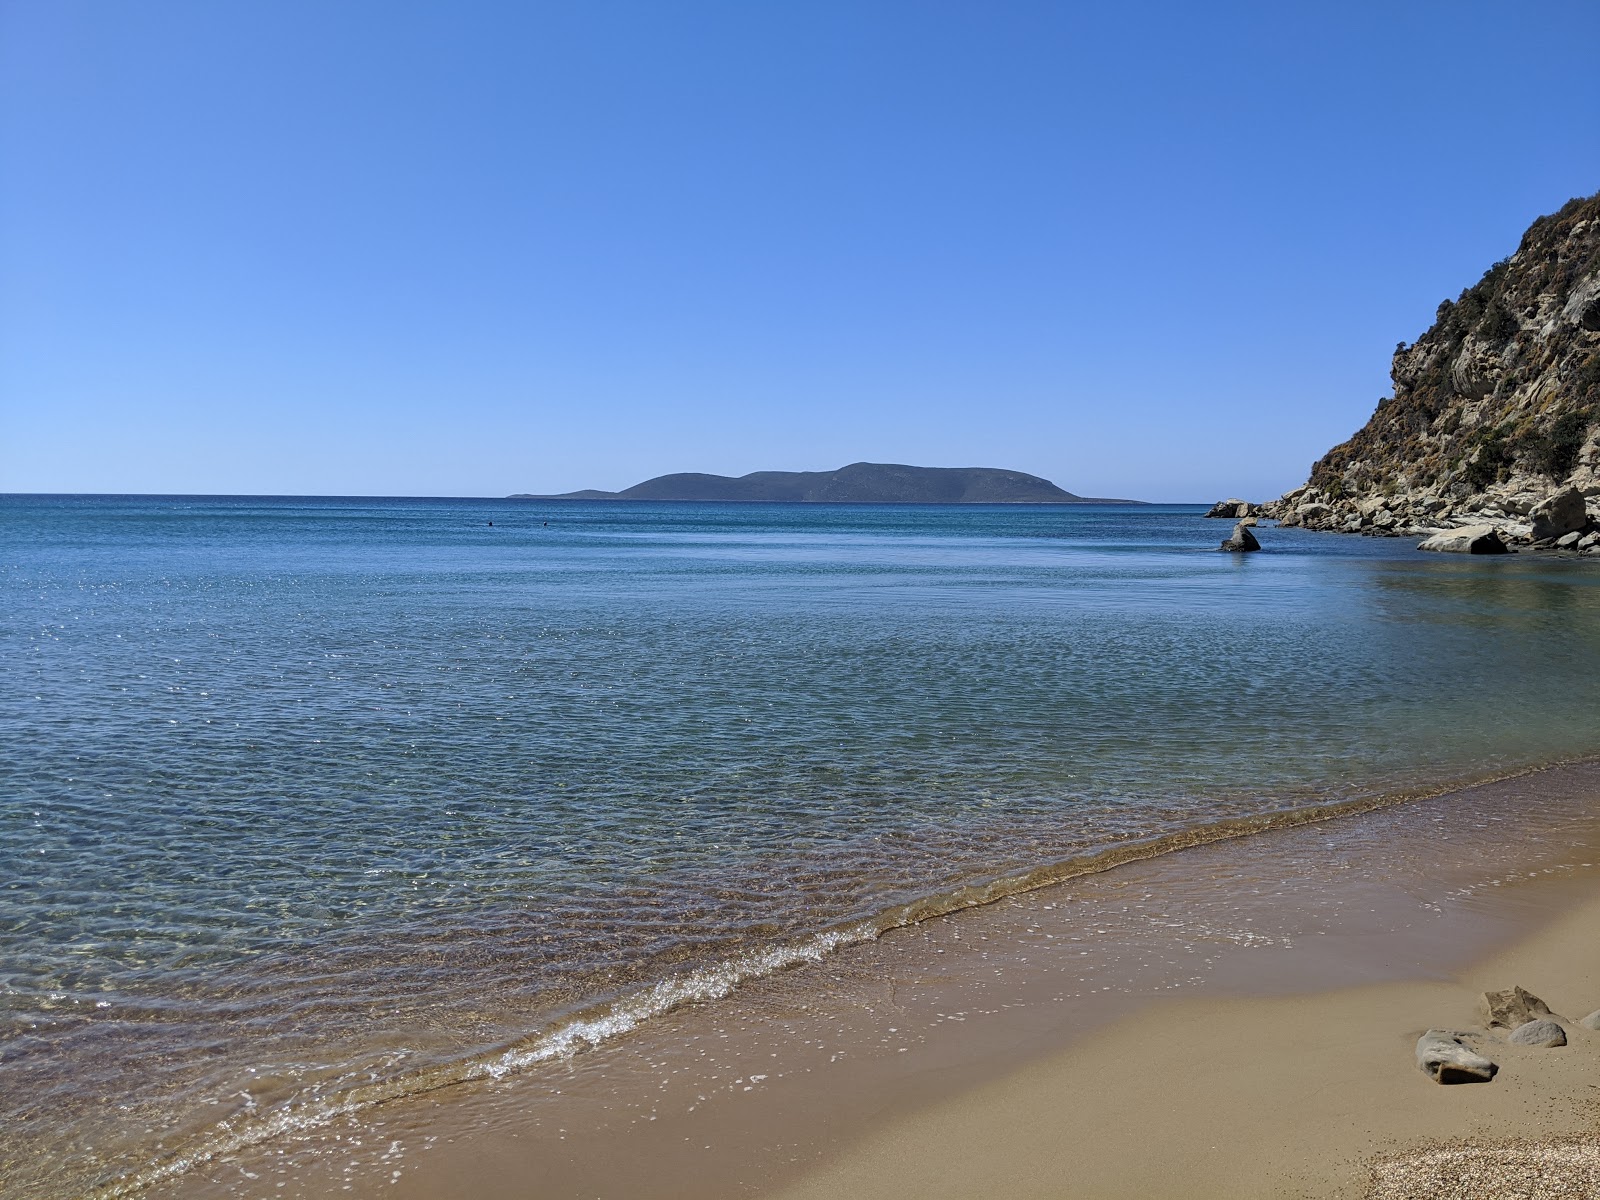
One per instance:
[(309, 796)]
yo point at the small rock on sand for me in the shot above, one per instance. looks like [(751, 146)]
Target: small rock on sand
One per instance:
[(1539, 1033), (1514, 1007), (1592, 1021), (1447, 1059)]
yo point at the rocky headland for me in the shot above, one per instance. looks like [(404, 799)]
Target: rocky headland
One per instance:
[(1489, 441)]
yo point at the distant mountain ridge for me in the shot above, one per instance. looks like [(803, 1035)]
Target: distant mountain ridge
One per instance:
[(858, 483)]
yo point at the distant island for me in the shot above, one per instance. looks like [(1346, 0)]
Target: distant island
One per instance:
[(859, 483)]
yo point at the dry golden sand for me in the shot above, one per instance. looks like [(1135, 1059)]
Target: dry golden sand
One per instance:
[(1305, 1096)]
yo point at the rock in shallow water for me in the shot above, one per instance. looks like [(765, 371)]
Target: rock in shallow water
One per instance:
[(1539, 1033), (1447, 1059), (1241, 539), (1471, 539)]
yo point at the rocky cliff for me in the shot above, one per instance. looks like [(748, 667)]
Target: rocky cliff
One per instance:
[(1496, 408), (859, 483)]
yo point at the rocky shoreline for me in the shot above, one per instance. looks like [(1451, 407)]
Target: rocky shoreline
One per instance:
[(1491, 440), (1517, 513), (1498, 521)]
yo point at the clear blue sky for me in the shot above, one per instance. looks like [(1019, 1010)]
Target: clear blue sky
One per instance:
[(1162, 250)]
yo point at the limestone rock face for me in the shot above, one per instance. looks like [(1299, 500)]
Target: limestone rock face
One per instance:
[(1495, 416), (1543, 1032), (1241, 539), (1447, 1059), (1514, 1007), (1473, 539)]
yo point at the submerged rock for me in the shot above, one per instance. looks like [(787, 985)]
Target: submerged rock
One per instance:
[(1543, 1032), (1471, 539), (1241, 539), (1513, 1008), (1445, 1058), (1561, 514)]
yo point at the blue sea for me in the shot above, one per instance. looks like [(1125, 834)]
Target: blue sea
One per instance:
[(312, 802)]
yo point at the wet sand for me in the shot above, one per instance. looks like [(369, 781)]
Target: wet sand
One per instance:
[(1236, 1019)]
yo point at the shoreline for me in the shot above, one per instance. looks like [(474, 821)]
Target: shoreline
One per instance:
[(868, 1044), (1306, 1096), (600, 1024), (1418, 534)]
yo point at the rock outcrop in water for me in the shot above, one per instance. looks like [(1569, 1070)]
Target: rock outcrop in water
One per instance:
[(1495, 415), (1232, 508), (1469, 539), (859, 483), (1240, 540)]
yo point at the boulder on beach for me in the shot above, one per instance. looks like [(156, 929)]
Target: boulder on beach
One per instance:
[(1513, 1008), (1558, 515), (1543, 1032), (1241, 539), (1445, 1058), (1469, 539)]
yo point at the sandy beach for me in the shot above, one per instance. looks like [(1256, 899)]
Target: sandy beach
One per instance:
[(1306, 1096)]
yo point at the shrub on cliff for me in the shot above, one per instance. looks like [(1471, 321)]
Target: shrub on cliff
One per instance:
[(1553, 450), (1588, 377), (1498, 324), (1489, 461)]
